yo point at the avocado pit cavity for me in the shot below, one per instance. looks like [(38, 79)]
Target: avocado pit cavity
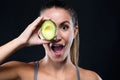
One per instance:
[(48, 30)]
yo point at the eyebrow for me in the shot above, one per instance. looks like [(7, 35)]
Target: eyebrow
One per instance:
[(65, 22)]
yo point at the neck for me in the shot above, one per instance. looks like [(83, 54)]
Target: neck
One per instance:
[(57, 66)]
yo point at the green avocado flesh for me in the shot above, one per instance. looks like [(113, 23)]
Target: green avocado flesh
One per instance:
[(48, 29)]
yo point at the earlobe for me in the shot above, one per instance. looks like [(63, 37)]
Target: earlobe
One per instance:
[(75, 31)]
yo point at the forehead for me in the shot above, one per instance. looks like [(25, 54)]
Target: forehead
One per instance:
[(56, 14)]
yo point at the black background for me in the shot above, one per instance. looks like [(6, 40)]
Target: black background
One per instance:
[(98, 25)]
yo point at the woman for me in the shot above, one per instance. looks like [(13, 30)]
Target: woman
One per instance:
[(61, 54)]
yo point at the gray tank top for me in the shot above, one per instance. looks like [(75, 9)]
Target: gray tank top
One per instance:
[(36, 67)]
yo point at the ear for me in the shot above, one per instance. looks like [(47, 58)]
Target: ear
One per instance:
[(75, 31)]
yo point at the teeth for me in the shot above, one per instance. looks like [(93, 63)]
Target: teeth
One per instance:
[(63, 44), (50, 44), (56, 45)]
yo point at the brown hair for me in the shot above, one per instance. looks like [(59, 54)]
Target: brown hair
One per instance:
[(74, 51)]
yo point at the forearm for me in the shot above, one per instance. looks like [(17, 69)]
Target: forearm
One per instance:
[(28, 37), (9, 48)]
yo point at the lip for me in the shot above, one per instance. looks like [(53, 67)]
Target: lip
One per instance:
[(57, 49)]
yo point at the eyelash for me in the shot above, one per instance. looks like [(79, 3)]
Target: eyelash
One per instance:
[(64, 27)]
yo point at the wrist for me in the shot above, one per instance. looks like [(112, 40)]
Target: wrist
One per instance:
[(21, 43)]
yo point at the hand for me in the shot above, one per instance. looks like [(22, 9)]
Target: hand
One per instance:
[(30, 36)]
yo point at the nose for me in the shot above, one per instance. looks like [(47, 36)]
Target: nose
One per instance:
[(58, 35)]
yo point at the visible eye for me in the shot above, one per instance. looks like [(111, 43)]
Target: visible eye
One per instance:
[(64, 27)]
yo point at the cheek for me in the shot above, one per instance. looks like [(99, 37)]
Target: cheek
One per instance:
[(68, 36)]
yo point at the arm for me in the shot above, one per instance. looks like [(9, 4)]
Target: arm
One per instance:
[(28, 37), (9, 71), (7, 49)]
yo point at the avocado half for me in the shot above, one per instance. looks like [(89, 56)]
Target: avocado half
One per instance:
[(48, 29)]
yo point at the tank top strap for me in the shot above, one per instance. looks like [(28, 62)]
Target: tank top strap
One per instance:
[(77, 72), (36, 67)]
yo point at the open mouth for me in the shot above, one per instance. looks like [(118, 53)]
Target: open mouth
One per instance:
[(57, 49)]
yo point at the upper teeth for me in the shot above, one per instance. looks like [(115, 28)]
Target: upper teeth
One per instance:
[(56, 45)]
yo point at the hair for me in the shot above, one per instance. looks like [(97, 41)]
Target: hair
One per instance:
[(74, 50)]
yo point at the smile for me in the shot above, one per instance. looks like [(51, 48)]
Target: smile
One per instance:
[(57, 49)]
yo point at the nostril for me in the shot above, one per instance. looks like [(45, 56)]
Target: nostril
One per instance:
[(56, 39)]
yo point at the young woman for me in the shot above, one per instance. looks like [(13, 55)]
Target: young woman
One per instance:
[(61, 54)]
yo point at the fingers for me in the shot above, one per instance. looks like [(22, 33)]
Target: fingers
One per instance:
[(36, 23), (32, 27), (39, 42), (44, 41)]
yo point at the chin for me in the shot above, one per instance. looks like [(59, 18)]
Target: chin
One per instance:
[(58, 59)]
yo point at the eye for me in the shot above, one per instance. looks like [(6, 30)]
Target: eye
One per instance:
[(64, 27)]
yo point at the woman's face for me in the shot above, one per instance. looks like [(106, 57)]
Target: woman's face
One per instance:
[(59, 49)]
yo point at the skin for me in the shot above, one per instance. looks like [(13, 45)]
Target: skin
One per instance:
[(52, 66)]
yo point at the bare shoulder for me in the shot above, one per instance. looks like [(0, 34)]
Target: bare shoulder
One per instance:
[(14, 70), (17, 67), (15, 64), (88, 75)]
